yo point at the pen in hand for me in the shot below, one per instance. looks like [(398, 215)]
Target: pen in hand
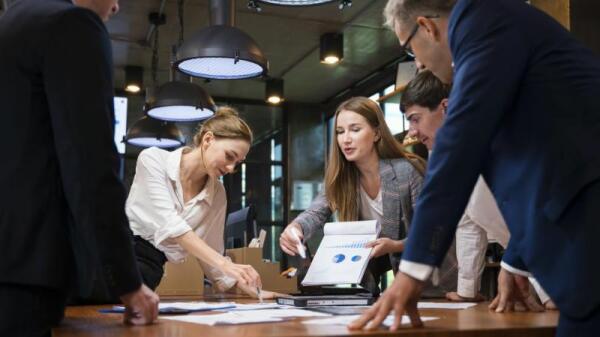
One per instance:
[(299, 245), (259, 294)]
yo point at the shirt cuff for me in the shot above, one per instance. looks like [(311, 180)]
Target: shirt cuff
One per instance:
[(539, 290), (416, 270), (467, 288), (222, 281), (514, 270)]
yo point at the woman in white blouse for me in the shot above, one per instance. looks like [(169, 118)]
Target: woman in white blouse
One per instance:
[(368, 177), (177, 205)]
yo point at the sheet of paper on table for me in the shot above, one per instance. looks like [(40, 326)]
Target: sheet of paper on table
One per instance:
[(345, 320), (257, 306), (446, 305), (247, 316), (191, 306)]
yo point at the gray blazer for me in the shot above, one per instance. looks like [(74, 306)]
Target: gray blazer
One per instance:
[(401, 183)]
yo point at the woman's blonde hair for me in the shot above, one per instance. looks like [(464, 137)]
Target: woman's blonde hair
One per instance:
[(342, 176), (226, 123)]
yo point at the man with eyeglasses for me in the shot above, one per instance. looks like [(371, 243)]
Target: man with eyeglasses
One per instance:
[(524, 112)]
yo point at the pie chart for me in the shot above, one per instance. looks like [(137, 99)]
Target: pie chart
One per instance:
[(338, 258)]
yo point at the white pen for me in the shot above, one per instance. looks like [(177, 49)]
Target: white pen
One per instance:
[(299, 245)]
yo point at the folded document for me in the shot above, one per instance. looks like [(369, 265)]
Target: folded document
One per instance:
[(342, 257)]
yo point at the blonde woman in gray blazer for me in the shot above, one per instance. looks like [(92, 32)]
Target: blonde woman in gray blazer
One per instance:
[(369, 177)]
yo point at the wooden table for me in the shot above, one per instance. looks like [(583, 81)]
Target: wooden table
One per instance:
[(476, 321)]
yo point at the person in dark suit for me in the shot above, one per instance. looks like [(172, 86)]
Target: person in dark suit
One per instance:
[(62, 218), (524, 112)]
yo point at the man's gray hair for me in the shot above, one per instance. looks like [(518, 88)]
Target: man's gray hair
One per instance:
[(403, 11)]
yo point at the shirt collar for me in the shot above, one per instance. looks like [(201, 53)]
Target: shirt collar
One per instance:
[(173, 167), (174, 163)]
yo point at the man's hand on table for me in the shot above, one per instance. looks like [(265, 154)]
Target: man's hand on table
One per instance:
[(401, 297), (141, 306), (514, 293)]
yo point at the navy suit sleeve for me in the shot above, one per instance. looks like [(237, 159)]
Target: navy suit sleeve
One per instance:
[(512, 258), (77, 70), (490, 57)]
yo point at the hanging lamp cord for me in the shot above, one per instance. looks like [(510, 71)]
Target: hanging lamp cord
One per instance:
[(155, 56), (180, 4)]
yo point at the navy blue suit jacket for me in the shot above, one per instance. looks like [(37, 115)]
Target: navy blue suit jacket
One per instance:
[(62, 216), (525, 112)]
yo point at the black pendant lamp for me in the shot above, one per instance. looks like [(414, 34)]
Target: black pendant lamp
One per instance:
[(298, 3), (221, 51), (148, 132), (180, 100)]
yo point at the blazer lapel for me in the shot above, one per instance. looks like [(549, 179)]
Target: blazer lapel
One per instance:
[(390, 197)]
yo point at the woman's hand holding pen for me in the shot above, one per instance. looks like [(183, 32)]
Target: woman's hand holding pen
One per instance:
[(243, 273), (288, 241)]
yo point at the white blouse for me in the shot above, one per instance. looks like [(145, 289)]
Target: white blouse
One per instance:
[(157, 213), (370, 209)]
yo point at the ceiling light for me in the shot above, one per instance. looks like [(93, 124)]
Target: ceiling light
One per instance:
[(296, 2), (332, 48), (221, 51), (134, 79), (181, 101), (331, 59), (342, 3), (148, 132), (274, 90)]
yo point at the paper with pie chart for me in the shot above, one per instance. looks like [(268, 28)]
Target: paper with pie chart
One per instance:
[(342, 257)]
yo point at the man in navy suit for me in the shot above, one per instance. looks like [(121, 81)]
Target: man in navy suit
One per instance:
[(62, 217), (524, 112)]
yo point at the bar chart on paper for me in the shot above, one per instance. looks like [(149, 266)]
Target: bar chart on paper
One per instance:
[(355, 244)]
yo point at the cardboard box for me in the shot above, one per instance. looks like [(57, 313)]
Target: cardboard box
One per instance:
[(184, 279), (269, 271)]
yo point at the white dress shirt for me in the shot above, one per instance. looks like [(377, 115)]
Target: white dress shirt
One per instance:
[(482, 221), (157, 212)]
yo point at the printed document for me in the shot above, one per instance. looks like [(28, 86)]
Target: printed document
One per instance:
[(345, 320), (342, 256)]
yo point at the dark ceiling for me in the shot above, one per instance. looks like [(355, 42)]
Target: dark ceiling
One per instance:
[(289, 36)]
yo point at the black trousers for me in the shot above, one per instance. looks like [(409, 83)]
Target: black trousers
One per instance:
[(27, 311), (151, 262)]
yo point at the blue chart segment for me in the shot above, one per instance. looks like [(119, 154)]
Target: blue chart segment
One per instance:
[(355, 244), (339, 258)]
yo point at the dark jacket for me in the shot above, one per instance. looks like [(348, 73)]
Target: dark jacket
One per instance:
[(62, 218), (524, 111)]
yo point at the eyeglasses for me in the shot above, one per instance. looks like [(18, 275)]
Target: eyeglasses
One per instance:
[(406, 45)]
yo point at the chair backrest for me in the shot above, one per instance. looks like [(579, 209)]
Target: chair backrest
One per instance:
[(240, 227)]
